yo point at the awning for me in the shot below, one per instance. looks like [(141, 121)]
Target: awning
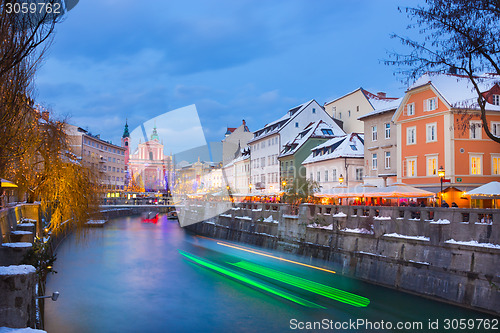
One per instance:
[(486, 191), (7, 183)]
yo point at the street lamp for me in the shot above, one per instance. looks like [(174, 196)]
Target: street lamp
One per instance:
[(441, 175), (341, 179)]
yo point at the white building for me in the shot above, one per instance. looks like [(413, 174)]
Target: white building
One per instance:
[(269, 141), (350, 107), (381, 145), (342, 156), (236, 139)]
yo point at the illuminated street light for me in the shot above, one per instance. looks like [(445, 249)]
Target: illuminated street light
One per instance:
[(341, 179), (441, 175)]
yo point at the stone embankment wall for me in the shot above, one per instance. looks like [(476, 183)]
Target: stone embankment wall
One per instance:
[(17, 282), (447, 254)]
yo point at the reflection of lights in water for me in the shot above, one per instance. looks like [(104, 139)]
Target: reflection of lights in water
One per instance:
[(244, 247), (317, 288), (254, 283), (278, 258)]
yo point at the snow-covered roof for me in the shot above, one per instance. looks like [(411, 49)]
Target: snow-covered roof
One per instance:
[(391, 105), (316, 129), (275, 126), (457, 90), (351, 145), (377, 101)]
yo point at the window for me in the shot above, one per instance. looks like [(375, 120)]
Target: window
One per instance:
[(431, 132), (496, 99), (387, 163), (431, 165), (387, 130), (262, 162), (296, 124), (340, 115), (495, 164), (311, 176), (334, 174), (318, 176), (327, 131), (357, 108), (430, 104), (349, 113), (263, 144), (359, 173), (334, 111), (475, 129), (411, 167), (374, 161), (314, 110), (495, 127), (411, 135), (476, 164), (410, 109), (374, 133), (326, 175)]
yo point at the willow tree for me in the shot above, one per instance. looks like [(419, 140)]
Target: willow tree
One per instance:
[(462, 35), (51, 174), (24, 39)]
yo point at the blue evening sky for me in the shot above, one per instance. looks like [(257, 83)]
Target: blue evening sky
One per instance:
[(245, 59)]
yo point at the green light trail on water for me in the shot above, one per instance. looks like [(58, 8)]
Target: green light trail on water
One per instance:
[(247, 280), (317, 288)]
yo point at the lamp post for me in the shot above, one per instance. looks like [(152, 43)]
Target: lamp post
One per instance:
[(341, 180), (441, 175)]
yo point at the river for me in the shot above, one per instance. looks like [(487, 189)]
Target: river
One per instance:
[(132, 276)]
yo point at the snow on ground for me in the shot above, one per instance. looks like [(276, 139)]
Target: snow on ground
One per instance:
[(26, 224), (339, 214), (225, 215), (382, 217), (395, 235), (358, 231), (444, 221), (96, 221), (257, 210), (20, 330), (270, 219), (290, 216), (16, 270), (21, 244), (473, 243), (20, 232), (243, 218), (319, 226)]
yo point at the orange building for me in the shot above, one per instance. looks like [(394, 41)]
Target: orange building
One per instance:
[(438, 125)]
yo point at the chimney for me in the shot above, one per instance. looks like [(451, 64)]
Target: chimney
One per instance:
[(381, 94), (45, 115)]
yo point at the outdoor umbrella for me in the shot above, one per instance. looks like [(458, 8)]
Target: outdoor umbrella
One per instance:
[(400, 190), (487, 191)]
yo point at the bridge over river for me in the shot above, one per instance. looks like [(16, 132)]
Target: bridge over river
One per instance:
[(132, 276)]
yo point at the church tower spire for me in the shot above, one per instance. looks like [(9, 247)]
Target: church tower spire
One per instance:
[(155, 135), (126, 134)]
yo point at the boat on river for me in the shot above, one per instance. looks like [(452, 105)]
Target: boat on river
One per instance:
[(150, 217)]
